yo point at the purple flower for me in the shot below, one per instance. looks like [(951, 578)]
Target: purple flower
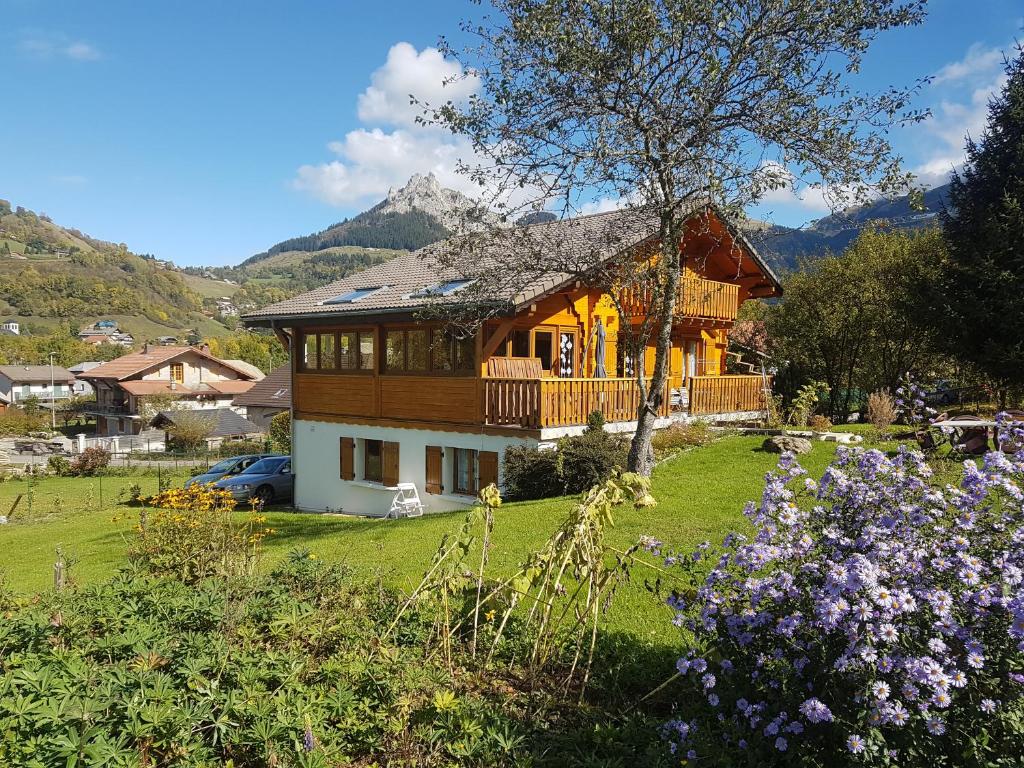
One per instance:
[(855, 743)]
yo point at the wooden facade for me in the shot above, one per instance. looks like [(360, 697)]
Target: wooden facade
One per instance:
[(531, 371)]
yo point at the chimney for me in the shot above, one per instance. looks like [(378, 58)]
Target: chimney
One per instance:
[(205, 348), (145, 348)]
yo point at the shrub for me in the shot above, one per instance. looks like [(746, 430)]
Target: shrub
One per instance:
[(819, 423), (590, 459), (806, 400), (882, 410), (880, 623), (692, 434), (89, 462), (15, 422), (59, 466), (531, 473), (281, 432), (192, 534)]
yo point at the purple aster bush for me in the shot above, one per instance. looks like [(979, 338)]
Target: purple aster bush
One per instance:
[(910, 401), (872, 618)]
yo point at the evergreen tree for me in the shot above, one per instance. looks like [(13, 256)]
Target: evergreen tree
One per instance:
[(982, 282)]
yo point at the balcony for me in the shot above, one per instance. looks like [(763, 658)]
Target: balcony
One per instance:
[(544, 403), (726, 394), (107, 409), (697, 298)]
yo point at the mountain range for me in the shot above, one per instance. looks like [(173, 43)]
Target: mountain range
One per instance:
[(423, 212), (786, 246)]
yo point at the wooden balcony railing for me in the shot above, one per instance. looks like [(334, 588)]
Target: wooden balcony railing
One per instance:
[(539, 403), (697, 298), (726, 394)]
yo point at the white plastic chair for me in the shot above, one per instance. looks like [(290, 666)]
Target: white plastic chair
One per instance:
[(406, 502)]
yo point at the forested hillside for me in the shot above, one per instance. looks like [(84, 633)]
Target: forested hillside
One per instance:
[(48, 272)]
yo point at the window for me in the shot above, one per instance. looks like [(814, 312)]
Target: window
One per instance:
[(327, 358), (348, 358), (356, 294), (394, 351), (440, 350), (417, 358), (418, 350), (341, 351), (446, 288), (366, 360), (178, 372), (373, 464), (543, 347), (520, 344), (26, 390), (464, 470), (310, 353)]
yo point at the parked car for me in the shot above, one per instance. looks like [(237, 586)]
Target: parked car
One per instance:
[(231, 466), (941, 393), (265, 481)]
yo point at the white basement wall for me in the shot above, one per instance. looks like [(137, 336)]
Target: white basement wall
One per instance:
[(316, 462)]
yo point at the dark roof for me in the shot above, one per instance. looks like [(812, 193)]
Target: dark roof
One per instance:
[(274, 391), (36, 373), (587, 239), (223, 421)]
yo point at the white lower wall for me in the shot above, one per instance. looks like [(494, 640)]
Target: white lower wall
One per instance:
[(316, 462)]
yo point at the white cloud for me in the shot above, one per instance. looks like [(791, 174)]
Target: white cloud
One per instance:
[(56, 45), (427, 75), (792, 192), (978, 61), (370, 160), (963, 90)]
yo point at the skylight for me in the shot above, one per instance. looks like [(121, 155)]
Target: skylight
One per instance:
[(446, 288), (357, 294)]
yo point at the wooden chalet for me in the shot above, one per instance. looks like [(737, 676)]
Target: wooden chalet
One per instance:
[(382, 396)]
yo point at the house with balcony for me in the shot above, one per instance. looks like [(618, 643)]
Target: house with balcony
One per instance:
[(47, 384), (384, 391), (187, 376)]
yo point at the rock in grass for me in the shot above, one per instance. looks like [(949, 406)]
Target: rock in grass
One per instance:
[(783, 443)]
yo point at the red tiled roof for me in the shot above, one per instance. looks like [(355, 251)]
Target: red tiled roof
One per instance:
[(128, 365)]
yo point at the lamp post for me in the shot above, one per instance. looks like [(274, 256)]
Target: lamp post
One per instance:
[(53, 412)]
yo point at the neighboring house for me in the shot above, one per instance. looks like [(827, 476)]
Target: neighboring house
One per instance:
[(167, 341), (242, 365), (11, 326), (190, 375), (223, 425), (105, 332), (18, 382), (81, 387), (267, 398), (381, 396)]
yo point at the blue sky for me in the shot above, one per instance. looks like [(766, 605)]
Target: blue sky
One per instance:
[(204, 132)]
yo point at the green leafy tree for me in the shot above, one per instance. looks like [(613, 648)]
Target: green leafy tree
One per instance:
[(858, 321), (982, 286), (281, 432), (665, 106)]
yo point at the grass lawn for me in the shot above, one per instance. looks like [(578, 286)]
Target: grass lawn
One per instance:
[(700, 496)]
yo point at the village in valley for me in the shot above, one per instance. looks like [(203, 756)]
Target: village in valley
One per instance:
[(655, 398)]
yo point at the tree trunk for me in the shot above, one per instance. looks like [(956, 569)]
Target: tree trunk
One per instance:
[(641, 454)]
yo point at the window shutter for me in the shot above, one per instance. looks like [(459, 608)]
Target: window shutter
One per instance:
[(488, 461), (434, 472), (348, 458), (389, 460)]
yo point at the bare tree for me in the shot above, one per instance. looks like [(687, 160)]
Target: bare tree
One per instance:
[(666, 107)]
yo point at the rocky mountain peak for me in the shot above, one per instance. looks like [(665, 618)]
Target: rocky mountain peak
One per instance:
[(424, 193)]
